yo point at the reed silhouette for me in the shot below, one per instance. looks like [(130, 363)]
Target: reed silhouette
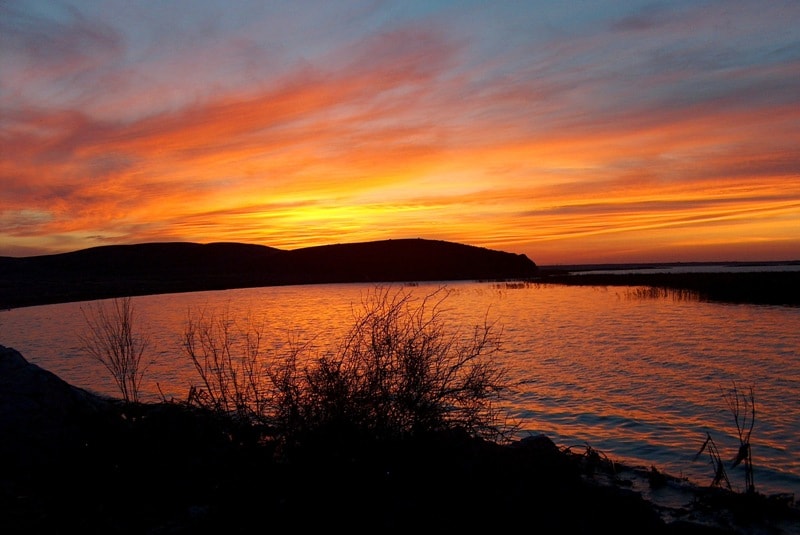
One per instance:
[(743, 409)]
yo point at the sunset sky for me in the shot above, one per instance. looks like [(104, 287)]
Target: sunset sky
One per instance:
[(572, 132)]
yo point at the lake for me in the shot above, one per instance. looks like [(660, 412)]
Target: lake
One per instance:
[(639, 379)]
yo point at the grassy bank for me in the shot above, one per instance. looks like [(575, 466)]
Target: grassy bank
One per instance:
[(760, 288)]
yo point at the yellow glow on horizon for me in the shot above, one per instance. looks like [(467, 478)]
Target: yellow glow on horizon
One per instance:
[(409, 145)]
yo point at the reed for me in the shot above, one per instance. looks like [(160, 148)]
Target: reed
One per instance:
[(720, 474), (662, 292), (742, 407)]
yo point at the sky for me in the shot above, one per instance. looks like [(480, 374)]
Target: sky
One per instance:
[(573, 132)]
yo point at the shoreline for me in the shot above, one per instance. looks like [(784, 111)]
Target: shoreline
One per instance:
[(780, 288), (178, 267)]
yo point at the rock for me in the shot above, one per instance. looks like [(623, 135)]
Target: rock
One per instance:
[(41, 416)]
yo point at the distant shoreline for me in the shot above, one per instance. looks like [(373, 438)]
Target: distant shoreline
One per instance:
[(677, 267), (780, 288), (160, 268), (736, 287)]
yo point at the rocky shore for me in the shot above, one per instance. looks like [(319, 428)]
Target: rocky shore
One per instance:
[(75, 462)]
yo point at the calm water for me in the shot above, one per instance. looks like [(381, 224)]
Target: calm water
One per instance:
[(640, 380)]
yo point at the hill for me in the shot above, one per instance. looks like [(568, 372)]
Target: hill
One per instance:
[(152, 268)]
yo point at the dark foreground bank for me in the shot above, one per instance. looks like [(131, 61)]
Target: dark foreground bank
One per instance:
[(74, 462)]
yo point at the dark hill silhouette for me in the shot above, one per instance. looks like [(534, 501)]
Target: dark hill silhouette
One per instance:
[(151, 268), (406, 260)]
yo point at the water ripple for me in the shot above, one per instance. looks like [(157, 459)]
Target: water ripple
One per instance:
[(642, 380)]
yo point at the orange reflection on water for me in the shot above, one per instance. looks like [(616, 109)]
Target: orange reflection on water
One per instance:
[(635, 375)]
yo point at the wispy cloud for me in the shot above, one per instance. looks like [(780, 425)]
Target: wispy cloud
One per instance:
[(560, 135)]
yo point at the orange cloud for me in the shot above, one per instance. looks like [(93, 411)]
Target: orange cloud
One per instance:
[(585, 148)]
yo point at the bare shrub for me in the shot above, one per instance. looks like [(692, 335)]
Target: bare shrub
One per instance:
[(114, 338), (228, 360), (288, 392), (398, 371)]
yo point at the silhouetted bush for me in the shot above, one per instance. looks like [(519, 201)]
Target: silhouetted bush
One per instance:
[(231, 365), (398, 371), (115, 339)]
